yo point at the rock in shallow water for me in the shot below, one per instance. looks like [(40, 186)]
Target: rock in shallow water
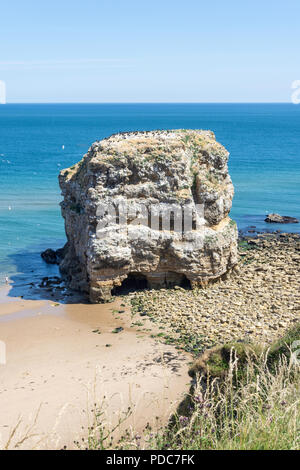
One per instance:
[(149, 205), (53, 257), (280, 219)]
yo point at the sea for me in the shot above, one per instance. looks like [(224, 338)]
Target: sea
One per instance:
[(39, 140)]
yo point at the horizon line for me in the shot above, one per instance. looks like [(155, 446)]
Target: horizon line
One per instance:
[(146, 102)]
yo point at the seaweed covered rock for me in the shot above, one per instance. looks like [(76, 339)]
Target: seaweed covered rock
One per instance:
[(148, 206)]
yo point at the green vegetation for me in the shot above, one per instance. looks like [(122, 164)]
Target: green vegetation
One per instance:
[(118, 330), (210, 239), (244, 246), (187, 138), (188, 342), (245, 397)]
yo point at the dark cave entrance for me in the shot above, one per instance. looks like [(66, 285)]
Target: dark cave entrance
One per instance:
[(185, 283), (138, 281), (134, 282)]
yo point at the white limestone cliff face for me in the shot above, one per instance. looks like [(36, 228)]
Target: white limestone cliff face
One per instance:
[(177, 175)]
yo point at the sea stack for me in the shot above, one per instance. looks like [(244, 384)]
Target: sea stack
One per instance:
[(151, 206)]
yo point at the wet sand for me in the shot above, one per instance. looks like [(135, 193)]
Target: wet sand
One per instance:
[(64, 358)]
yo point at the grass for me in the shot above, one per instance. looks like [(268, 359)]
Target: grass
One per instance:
[(259, 411), (244, 397)]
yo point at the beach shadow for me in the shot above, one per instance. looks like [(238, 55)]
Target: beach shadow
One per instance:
[(34, 279)]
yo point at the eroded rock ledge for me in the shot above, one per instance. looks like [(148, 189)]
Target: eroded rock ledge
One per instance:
[(180, 173)]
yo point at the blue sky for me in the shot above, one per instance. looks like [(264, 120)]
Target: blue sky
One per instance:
[(149, 50)]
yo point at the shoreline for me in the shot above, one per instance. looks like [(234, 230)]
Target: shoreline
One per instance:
[(62, 359)]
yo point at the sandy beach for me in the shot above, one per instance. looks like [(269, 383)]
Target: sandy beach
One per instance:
[(62, 359)]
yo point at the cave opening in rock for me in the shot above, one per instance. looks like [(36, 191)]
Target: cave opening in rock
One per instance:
[(138, 281), (133, 282), (185, 283)]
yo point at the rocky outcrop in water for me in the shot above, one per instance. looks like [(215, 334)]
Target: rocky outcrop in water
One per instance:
[(53, 256), (152, 206), (280, 219)]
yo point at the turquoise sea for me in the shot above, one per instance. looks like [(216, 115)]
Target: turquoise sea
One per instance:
[(263, 140)]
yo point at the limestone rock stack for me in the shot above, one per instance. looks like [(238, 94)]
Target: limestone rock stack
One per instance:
[(148, 205)]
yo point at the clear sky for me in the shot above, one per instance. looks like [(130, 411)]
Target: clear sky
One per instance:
[(149, 50)]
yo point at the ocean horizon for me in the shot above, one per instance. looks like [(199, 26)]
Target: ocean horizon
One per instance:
[(38, 140)]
